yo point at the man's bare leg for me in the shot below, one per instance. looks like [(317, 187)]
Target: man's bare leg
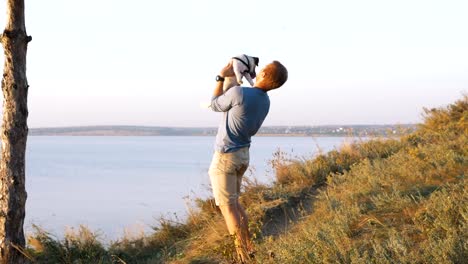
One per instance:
[(236, 221), (244, 220)]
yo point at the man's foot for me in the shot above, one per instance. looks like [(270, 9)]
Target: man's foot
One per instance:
[(245, 256)]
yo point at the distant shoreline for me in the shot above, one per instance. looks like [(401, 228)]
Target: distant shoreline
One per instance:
[(118, 135), (272, 131)]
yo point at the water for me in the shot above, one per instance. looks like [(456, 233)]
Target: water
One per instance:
[(114, 183)]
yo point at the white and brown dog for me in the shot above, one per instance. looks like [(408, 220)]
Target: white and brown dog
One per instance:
[(243, 66)]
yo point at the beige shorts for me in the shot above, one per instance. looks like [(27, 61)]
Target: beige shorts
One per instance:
[(226, 173)]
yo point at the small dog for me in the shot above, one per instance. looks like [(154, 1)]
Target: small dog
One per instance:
[(243, 66)]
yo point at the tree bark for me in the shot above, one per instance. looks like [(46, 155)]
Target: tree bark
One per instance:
[(13, 135)]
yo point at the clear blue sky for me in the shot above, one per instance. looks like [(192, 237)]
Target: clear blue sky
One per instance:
[(110, 62)]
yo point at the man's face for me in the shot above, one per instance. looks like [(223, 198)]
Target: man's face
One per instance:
[(258, 76), (261, 74)]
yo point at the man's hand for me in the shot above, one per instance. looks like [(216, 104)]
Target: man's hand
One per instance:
[(227, 71)]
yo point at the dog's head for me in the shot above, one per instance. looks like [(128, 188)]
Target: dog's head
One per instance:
[(252, 73), (256, 60)]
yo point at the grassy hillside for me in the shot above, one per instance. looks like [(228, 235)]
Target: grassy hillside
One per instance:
[(410, 206), (380, 201)]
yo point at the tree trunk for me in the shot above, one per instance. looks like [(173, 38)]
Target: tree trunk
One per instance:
[(14, 134)]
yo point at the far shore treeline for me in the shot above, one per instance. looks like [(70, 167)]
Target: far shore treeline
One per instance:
[(326, 130)]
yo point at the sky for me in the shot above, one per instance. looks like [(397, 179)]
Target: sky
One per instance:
[(146, 62)]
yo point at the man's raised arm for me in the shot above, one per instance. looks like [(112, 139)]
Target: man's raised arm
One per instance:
[(220, 102)]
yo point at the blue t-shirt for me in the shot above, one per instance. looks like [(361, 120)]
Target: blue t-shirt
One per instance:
[(244, 111)]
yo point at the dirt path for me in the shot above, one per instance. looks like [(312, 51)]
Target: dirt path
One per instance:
[(281, 218)]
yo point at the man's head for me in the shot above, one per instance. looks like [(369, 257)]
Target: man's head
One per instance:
[(272, 76)]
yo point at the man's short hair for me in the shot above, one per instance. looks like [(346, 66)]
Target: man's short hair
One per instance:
[(276, 74)]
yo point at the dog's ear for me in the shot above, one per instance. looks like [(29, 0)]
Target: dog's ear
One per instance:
[(256, 60)]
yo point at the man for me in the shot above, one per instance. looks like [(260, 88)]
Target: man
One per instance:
[(244, 111)]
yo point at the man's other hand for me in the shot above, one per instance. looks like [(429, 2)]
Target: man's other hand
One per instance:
[(227, 71)]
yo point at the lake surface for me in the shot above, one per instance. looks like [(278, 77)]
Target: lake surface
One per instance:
[(115, 183)]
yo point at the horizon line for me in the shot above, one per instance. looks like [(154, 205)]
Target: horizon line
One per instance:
[(157, 126)]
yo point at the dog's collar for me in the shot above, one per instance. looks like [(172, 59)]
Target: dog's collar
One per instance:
[(247, 64)]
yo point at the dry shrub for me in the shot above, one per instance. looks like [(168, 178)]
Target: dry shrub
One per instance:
[(78, 246)]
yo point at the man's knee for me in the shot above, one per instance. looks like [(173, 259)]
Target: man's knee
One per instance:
[(231, 207), (225, 196)]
